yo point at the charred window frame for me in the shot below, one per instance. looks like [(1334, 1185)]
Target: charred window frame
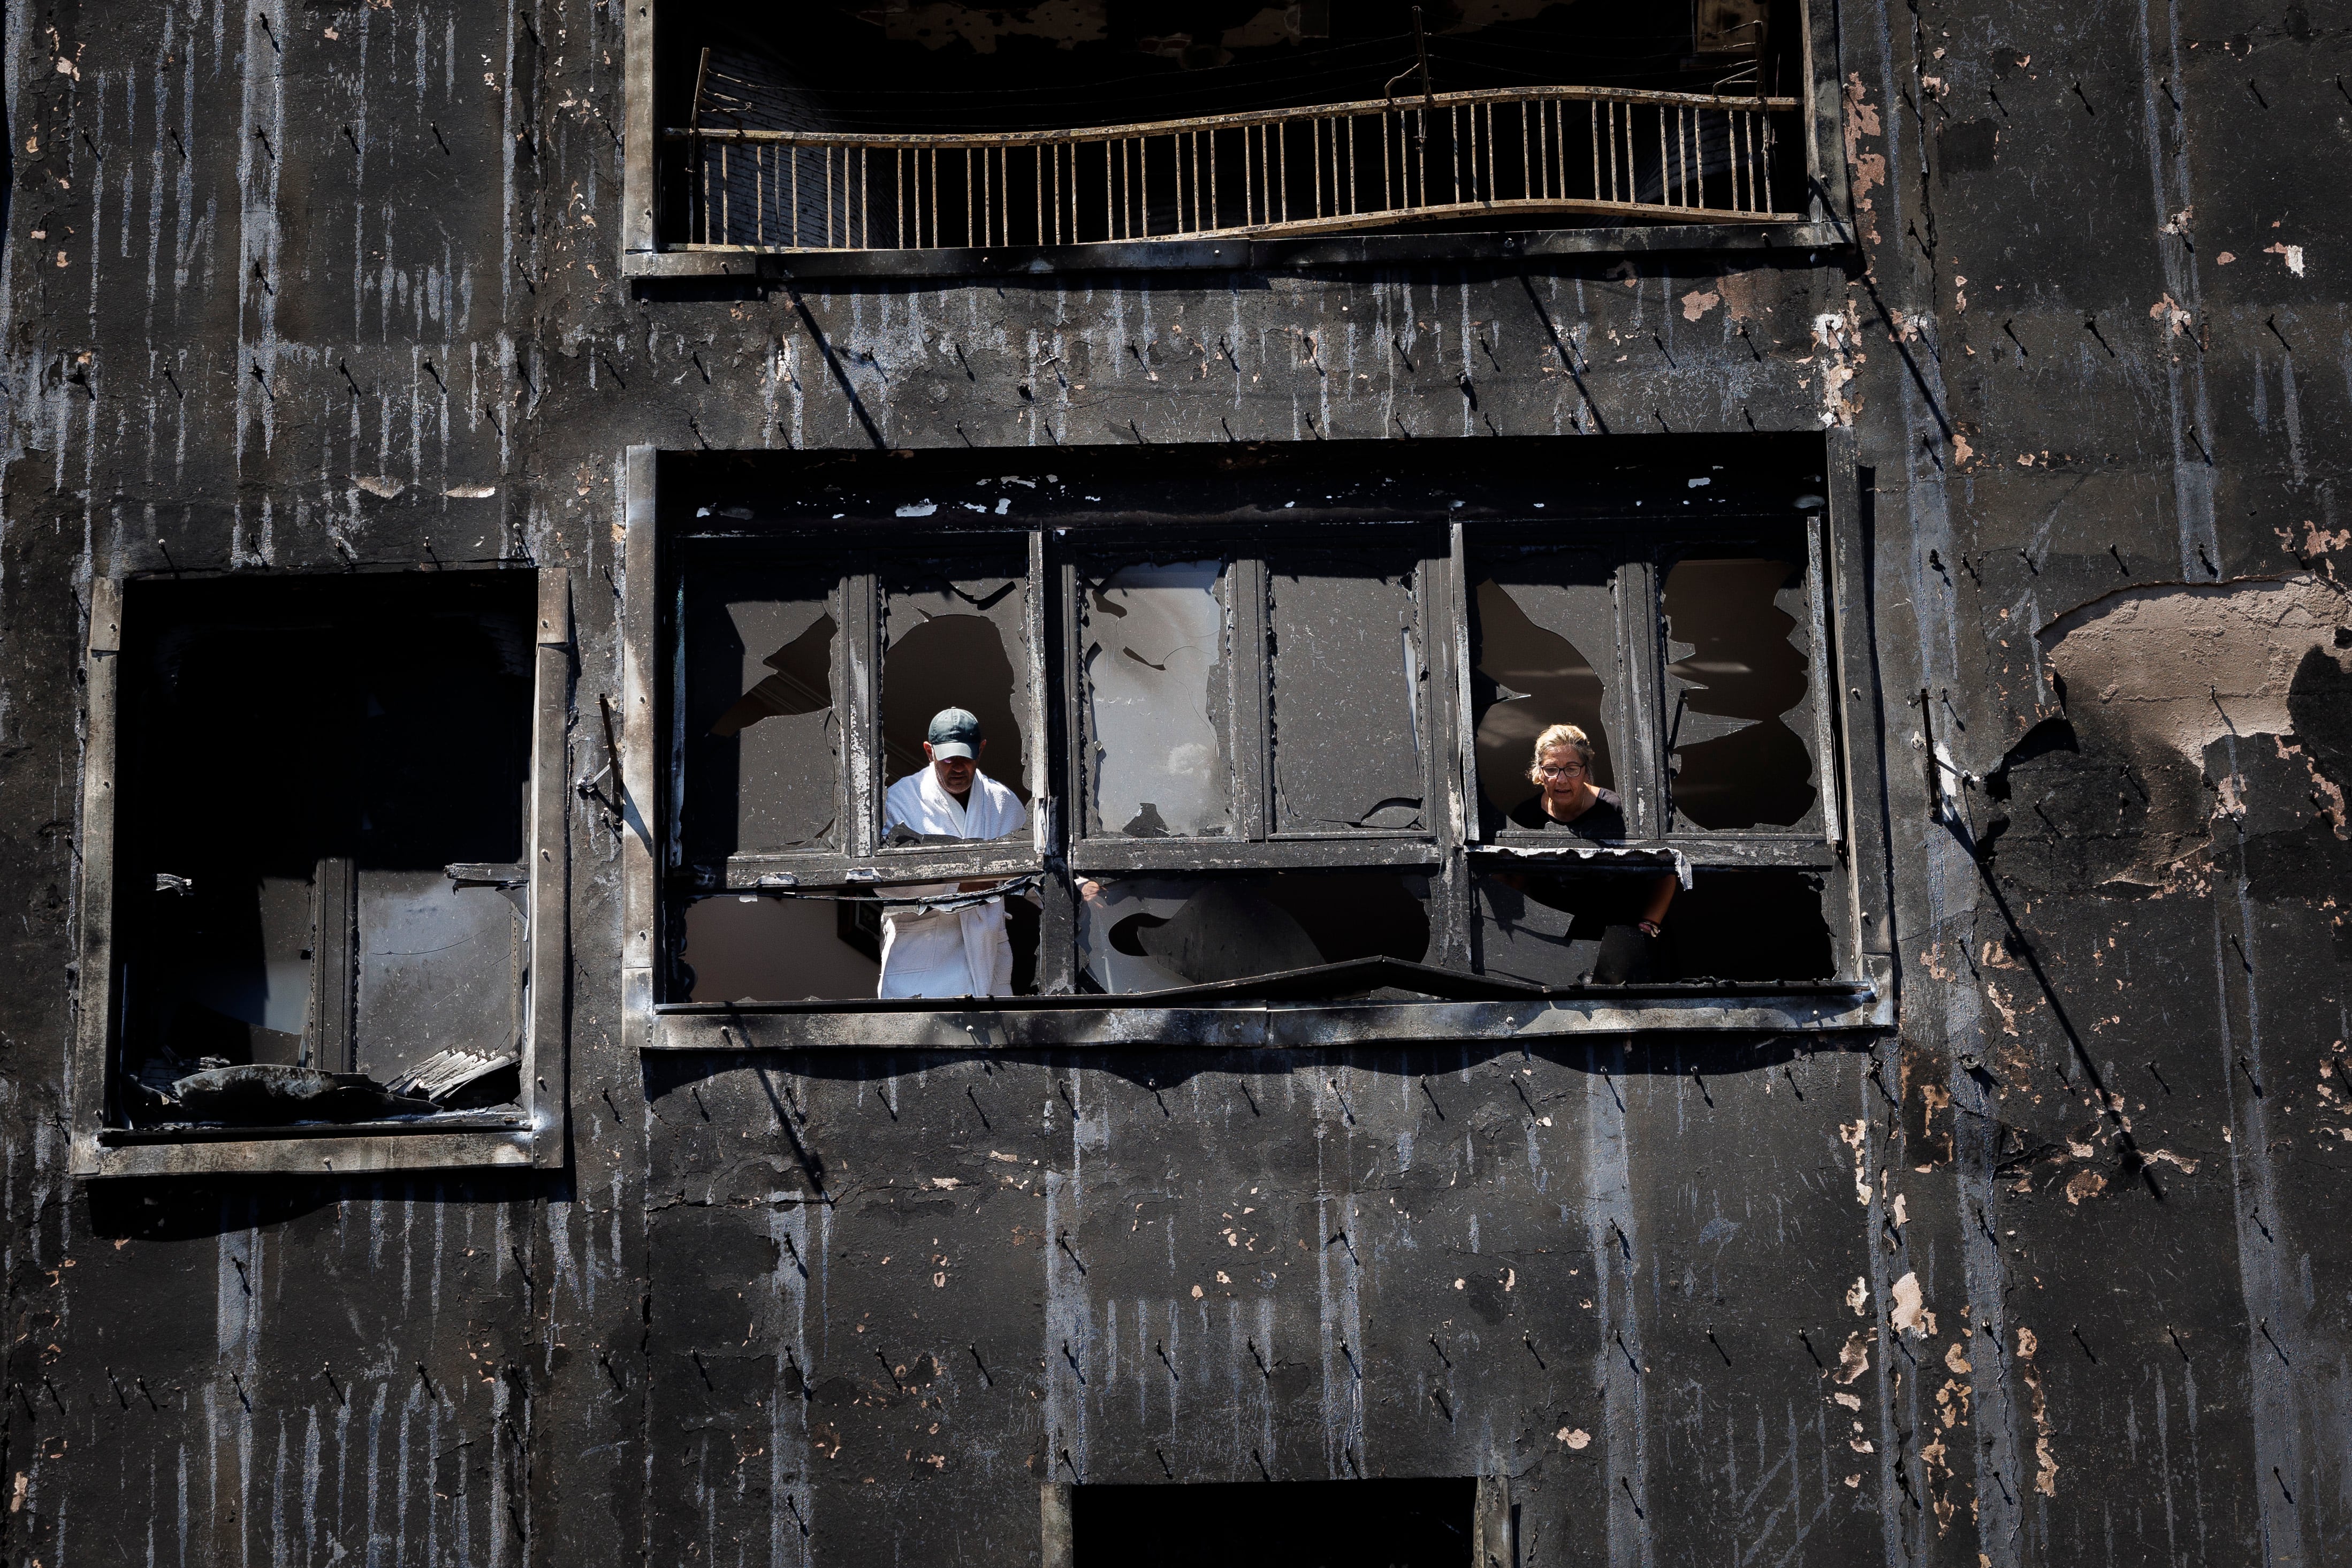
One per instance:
[(1648, 586), (371, 1016), (661, 95)]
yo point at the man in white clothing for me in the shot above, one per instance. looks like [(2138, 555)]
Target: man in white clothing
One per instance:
[(949, 953)]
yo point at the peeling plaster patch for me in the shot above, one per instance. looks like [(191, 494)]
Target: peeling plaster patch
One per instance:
[(2294, 254), (376, 485), (1858, 1297), (1855, 1134), (2185, 1167), (2224, 260), (919, 508), (1698, 303), (2169, 312), (2177, 668), (1854, 1359), (1955, 1361), (470, 492), (2046, 1480), (1909, 1317), (1850, 1401), (2084, 1184), (1869, 168), (1838, 340), (1577, 1438)]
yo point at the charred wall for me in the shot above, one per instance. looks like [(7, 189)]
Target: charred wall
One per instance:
[(337, 285)]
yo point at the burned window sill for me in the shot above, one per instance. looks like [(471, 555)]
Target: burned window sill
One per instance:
[(1191, 1022), (751, 266), (452, 1140), (227, 1132)]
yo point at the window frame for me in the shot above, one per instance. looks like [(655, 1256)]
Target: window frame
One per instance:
[(533, 1136), (645, 254), (1856, 892)]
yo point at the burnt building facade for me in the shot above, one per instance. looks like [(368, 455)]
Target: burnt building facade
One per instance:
[(495, 494)]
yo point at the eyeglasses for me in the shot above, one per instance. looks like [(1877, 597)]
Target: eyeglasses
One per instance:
[(1564, 770)]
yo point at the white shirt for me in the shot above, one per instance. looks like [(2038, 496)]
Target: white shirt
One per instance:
[(949, 953)]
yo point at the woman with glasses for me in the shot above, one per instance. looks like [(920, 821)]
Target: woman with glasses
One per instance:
[(1628, 909)]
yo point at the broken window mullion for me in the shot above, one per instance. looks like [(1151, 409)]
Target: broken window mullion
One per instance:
[(335, 949), (1252, 767), (862, 779), (1824, 692), (1053, 644), (1641, 681), (1445, 641)]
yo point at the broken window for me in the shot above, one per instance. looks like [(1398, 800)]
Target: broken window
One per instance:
[(323, 879), (955, 636), (1151, 653), (763, 720), (1544, 651), (1222, 759), (1395, 1523), (1157, 934), (1345, 709), (1738, 638)]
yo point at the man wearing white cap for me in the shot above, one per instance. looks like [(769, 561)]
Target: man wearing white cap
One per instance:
[(949, 953)]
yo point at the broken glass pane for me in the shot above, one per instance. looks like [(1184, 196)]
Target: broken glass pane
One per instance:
[(230, 976), (1738, 637), (1571, 926), (440, 969), (747, 948), (762, 736), (1539, 629), (1151, 644), (1345, 707), (956, 637), (1157, 934)]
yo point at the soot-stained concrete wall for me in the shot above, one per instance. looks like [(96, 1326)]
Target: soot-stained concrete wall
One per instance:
[(296, 287)]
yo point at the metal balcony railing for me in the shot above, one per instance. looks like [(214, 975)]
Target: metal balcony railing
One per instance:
[(1505, 152)]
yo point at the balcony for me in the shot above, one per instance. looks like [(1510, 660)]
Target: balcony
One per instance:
[(759, 162)]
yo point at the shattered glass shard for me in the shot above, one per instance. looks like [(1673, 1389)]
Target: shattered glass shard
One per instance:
[(1738, 620), (1152, 648), (801, 682)]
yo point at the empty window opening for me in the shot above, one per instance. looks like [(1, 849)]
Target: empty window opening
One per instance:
[(1529, 675), (749, 948), (1418, 1523), (1345, 695), (960, 643), (762, 728), (1737, 639), (1574, 927), (319, 852), (1751, 926), (1154, 933), (1152, 655)]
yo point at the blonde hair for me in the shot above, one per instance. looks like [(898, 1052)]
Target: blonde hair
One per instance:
[(1552, 740)]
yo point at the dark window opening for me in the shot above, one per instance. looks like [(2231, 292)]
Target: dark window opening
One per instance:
[(1752, 927), (954, 637), (763, 726), (758, 118), (1161, 933), (321, 847), (1419, 1524)]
